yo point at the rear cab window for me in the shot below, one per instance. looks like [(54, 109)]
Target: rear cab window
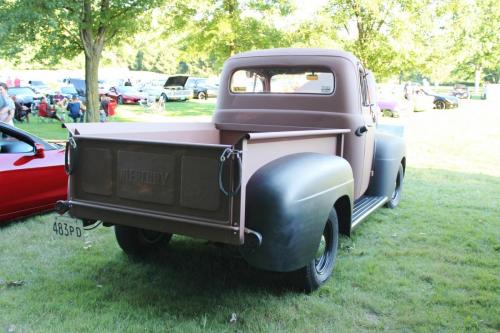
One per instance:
[(283, 80)]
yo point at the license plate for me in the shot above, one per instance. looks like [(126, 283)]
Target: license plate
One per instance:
[(68, 227)]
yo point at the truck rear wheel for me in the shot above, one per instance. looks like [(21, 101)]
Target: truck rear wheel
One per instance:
[(140, 242), (320, 268), (398, 189)]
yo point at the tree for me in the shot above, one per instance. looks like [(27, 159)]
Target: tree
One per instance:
[(150, 51), (478, 41), (216, 29), (390, 37), (371, 30), (56, 29)]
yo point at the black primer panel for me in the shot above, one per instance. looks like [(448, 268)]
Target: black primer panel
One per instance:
[(96, 176), (199, 183)]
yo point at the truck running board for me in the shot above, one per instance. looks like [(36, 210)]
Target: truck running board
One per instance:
[(364, 206)]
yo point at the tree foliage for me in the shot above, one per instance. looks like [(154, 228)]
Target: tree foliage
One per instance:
[(218, 29), (477, 42), (384, 34), (56, 29), (394, 38)]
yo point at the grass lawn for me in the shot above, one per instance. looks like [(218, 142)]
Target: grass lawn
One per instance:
[(430, 265), (52, 130)]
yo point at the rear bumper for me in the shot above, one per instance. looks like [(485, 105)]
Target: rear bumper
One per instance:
[(155, 220)]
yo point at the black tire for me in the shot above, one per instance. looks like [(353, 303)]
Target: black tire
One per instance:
[(164, 98), (139, 242), (320, 268), (202, 95), (387, 113), (398, 189), (440, 105), (119, 100)]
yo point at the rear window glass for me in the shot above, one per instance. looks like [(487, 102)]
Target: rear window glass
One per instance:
[(288, 80)]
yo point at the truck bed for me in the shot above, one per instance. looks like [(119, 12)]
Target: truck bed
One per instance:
[(169, 177)]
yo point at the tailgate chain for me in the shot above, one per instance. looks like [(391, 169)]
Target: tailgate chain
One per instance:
[(233, 154), (69, 165)]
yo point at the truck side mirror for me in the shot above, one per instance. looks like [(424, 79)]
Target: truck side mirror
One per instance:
[(39, 150)]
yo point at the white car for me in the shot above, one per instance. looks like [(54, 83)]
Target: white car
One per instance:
[(174, 89), (171, 90)]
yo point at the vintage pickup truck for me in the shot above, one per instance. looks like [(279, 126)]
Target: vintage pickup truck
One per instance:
[(292, 157)]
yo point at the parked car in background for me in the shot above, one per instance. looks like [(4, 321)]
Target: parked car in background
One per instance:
[(389, 107), (79, 85), (26, 96), (105, 85), (390, 99), (202, 88), (422, 101), (41, 87), (442, 101), (460, 91), (175, 90), (68, 91), (126, 95), (32, 176), (152, 93)]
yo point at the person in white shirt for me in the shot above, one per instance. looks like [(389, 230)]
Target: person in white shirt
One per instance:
[(7, 107)]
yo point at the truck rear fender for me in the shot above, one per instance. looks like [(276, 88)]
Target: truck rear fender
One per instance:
[(390, 153), (343, 207), (288, 202)]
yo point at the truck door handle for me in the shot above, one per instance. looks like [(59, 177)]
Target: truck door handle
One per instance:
[(361, 130)]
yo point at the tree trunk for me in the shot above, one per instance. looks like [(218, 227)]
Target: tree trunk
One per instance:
[(93, 43), (91, 86), (477, 79)]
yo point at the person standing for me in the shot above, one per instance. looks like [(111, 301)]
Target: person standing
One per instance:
[(7, 107), (57, 97), (103, 111)]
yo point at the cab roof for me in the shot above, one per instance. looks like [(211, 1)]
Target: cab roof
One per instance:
[(297, 52)]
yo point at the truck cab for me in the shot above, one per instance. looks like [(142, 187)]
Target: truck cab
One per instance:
[(313, 89)]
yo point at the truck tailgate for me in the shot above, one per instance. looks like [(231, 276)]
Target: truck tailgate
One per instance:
[(121, 181)]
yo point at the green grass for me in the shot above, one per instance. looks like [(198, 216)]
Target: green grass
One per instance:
[(430, 265)]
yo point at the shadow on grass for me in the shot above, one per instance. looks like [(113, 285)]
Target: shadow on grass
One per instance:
[(190, 277)]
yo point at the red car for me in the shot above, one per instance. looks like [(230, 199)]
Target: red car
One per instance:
[(125, 95), (32, 176)]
